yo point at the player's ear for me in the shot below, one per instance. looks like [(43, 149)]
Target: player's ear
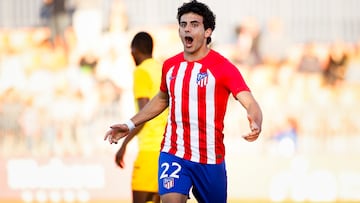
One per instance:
[(208, 33)]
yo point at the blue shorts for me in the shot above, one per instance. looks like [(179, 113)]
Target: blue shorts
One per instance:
[(208, 181)]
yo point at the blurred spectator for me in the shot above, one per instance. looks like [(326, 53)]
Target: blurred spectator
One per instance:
[(116, 64), (286, 137), (88, 24), (56, 14), (247, 42), (310, 61), (336, 67), (274, 44), (88, 63)]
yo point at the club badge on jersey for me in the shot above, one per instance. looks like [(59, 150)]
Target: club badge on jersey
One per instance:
[(202, 79)]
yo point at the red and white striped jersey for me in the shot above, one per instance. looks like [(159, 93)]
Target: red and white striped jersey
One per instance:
[(198, 95)]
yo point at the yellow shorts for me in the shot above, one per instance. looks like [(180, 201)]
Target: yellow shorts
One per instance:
[(145, 172)]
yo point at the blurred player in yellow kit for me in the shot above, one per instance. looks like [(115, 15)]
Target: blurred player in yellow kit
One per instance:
[(147, 77)]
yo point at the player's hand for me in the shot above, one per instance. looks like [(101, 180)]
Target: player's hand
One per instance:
[(119, 157), (116, 132), (255, 131)]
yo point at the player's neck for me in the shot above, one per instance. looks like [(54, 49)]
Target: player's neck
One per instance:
[(198, 55), (144, 57)]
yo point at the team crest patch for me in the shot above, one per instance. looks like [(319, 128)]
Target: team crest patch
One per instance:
[(168, 183), (202, 79)]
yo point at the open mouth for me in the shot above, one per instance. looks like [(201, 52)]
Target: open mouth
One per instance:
[(189, 40)]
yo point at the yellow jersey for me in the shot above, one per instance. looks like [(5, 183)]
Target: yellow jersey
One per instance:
[(147, 77)]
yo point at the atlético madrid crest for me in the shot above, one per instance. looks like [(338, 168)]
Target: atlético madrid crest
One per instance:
[(168, 183), (202, 79)]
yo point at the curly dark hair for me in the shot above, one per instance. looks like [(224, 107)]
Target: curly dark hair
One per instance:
[(200, 9)]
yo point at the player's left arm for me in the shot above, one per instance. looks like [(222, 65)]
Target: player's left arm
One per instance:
[(254, 114)]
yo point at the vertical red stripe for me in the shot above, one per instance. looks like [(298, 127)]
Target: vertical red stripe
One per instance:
[(202, 121), (220, 103), (173, 138), (185, 110)]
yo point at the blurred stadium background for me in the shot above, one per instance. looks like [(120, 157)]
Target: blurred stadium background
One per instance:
[(300, 58)]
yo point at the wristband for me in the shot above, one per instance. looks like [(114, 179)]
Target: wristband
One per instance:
[(130, 124)]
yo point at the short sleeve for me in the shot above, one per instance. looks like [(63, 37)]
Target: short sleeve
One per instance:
[(235, 81)]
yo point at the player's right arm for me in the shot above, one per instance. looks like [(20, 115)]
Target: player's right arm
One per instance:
[(119, 157), (152, 109)]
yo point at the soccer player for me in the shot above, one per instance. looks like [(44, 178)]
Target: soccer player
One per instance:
[(195, 86), (147, 76)]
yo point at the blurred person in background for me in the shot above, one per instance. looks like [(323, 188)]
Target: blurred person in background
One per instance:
[(286, 136), (147, 76), (57, 14), (88, 25), (274, 43), (195, 85), (310, 61), (336, 67), (247, 43)]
